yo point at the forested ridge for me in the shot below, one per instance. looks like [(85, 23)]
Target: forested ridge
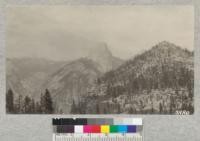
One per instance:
[(160, 80), (164, 66)]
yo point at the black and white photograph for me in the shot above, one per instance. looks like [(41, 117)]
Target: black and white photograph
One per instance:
[(99, 59)]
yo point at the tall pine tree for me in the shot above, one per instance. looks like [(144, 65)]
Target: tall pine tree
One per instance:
[(73, 108), (38, 109), (47, 103), (27, 105), (10, 101), (19, 104), (32, 105)]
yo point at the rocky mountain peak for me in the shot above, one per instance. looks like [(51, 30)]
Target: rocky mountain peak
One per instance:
[(102, 56), (99, 51)]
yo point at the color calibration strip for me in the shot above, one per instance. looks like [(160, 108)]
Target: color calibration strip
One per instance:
[(98, 129), (97, 125)]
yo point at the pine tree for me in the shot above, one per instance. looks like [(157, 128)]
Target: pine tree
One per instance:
[(19, 104), (42, 104), (38, 108), (160, 108), (10, 101), (152, 109), (73, 108), (32, 105), (48, 103), (27, 105), (172, 104)]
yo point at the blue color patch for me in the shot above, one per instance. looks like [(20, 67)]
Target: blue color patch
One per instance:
[(122, 128)]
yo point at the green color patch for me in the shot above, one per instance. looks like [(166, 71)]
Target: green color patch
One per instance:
[(113, 129)]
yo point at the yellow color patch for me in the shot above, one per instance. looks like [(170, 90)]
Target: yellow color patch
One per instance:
[(105, 128)]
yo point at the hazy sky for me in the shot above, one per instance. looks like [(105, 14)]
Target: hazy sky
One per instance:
[(67, 32)]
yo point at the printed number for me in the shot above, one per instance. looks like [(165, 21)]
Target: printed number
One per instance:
[(184, 112)]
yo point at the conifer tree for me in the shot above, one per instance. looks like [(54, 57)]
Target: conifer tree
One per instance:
[(73, 107), (32, 105), (48, 103), (38, 108), (42, 104), (160, 108), (27, 105), (19, 104), (10, 101)]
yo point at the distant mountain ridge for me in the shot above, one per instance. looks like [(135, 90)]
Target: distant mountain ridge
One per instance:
[(26, 75), (103, 80), (31, 76), (73, 80)]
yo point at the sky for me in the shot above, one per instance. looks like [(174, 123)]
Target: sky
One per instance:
[(68, 32)]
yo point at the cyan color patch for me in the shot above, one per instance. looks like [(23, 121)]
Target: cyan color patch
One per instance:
[(122, 128)]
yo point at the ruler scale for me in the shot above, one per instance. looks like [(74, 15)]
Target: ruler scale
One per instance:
[(63, 137), (98, 129)]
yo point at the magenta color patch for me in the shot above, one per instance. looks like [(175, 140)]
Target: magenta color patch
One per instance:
[(87, 128)]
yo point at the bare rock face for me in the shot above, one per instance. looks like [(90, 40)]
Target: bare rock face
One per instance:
[(103, 57)]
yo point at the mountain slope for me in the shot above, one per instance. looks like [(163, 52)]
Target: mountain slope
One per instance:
[(25, 76), (147, 82), (164, 57), (71, 82), (66, 80)]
